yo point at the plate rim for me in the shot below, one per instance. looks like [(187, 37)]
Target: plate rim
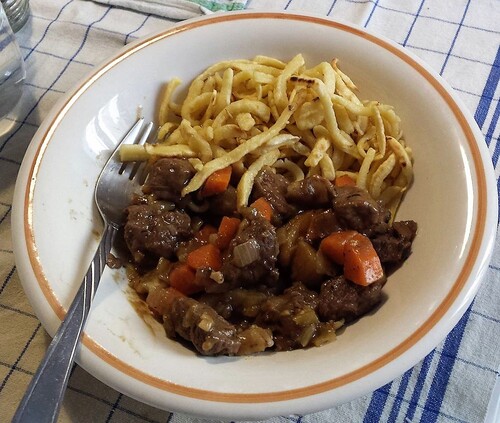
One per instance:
[(481, 241)]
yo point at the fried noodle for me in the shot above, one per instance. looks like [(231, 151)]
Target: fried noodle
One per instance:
[(301, 121)]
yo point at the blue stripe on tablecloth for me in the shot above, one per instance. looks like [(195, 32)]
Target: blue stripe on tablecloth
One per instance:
[(405, 41), (113, 407), (104, 401), (7, 279), (422, 375), (30, 52), (396, 406), (459, 90), (129, 35), (478, 366), (61, 73), (452, 344), (417, 390), (432, 18), (498, 195), (76, 23), (16, 368), (9, 374), (38, 87), (379, 398), (16, 310), (455, 38), (33, 49), (5, 204), (334, 2), (7, 160), (294, 418), (9, 208), (55, 56), (449, 54), (489, 133), (375, 4), (443, 371), (488, 91), (79, 391), (484, 316), (377, 404), (483, 109)]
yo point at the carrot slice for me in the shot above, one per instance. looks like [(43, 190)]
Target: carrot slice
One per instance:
[(334, 244), (361, 261), (344, 180), (217, 182), (227, 230), (183, 278), (206, 256), (263, 207)]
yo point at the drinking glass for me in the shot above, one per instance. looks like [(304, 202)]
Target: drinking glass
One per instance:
[(12, 71), (17, 12)]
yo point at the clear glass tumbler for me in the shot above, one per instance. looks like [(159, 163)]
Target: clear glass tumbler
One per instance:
[(12, 70), (17, 12)]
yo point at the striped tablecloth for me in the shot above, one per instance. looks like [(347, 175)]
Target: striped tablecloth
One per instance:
[(65, 39)]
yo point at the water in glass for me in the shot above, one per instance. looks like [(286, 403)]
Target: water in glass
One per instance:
[(17, 12), (12, 71)]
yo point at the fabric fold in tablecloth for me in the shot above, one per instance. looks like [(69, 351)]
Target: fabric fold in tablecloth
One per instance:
[(177, 9), (66, 39)]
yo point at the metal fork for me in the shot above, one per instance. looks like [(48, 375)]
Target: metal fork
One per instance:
[(114, 187)]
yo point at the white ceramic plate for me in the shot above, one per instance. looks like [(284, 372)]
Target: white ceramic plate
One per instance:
[(453, 200)]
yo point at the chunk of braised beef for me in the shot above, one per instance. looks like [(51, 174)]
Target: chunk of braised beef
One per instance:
[(291, 317), (167, 177), (406, 229), (242, 303), (340, 298), (273, 187), (356, 209), (394, 246), (223, 204), (312, 192), (323, 223), (251, 257), (152, 228), (200, 324)]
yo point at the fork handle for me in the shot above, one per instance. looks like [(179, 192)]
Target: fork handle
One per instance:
[(43, 398)]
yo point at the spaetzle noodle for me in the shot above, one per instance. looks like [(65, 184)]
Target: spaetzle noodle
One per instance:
[(301, 121)]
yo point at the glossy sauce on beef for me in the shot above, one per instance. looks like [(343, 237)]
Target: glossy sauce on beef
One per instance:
[(274, 289)]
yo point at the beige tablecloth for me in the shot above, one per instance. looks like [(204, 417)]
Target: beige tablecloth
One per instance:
[(65, 39)]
